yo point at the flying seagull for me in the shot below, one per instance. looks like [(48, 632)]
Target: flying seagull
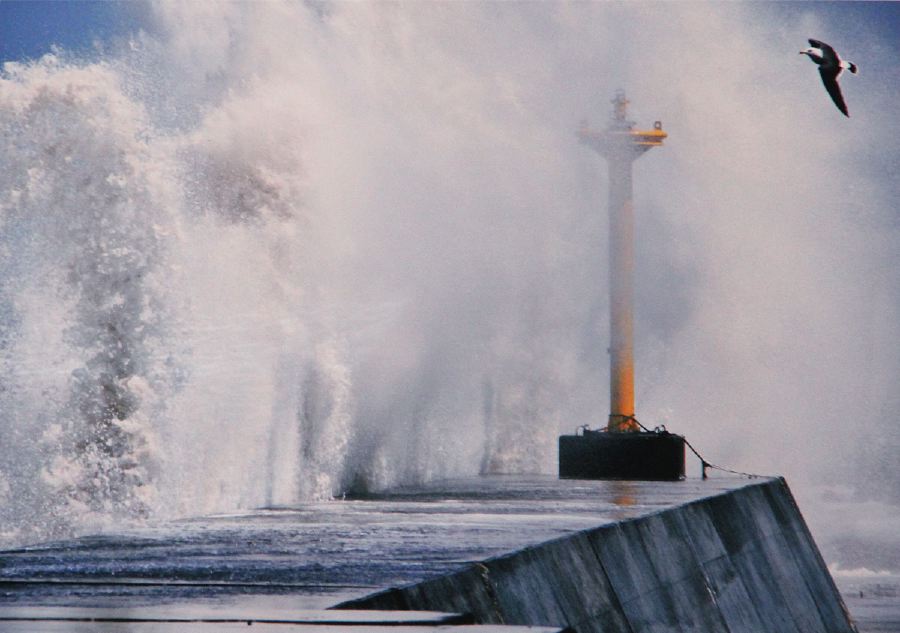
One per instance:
[(830, 68)]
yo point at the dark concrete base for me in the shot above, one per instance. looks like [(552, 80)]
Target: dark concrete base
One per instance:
[(630, 456)]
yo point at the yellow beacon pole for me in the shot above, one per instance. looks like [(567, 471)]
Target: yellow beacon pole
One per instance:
[(624, 449), (620, 144)]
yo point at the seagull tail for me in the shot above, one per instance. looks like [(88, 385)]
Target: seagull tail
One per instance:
[(853, 68)]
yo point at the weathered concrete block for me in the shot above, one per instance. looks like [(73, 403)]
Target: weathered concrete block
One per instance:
[(737, 562), (695, 607), (734, 602), (799, 542), (524, 585), (701, 533), (763, 590), (582, 588), (628, 567), (652, 612), (665, 539)]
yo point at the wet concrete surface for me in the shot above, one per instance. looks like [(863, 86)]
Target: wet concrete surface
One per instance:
[(588, 555), (317, 555)]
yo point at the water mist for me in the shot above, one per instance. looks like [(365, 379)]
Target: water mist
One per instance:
[(332, 247)]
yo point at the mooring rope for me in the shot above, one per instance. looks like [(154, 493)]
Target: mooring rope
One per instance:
[(703, 463)]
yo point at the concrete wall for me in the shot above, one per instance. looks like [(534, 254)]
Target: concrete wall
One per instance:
[(739, 562)]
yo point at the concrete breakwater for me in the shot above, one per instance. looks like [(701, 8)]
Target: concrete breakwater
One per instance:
[(742, 560), (724, 555)]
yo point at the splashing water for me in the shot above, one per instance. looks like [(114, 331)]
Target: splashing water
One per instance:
[(85, 322), (343, 246)]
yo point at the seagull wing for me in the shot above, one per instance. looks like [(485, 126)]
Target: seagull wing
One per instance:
[(829, 78), (828, 53)]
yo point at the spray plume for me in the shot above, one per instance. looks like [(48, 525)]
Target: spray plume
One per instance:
[(331, 247)]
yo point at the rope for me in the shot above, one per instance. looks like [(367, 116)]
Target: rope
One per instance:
[(704, 465)]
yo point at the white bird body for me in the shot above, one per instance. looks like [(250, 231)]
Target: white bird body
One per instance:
[(830, 68)]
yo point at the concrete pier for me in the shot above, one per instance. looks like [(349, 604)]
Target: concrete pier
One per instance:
[(742, 560), (723, 555)]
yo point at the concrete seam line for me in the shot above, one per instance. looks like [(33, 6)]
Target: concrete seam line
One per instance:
[(484, 572)]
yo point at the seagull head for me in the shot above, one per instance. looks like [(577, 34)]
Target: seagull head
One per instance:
[(812, 52)]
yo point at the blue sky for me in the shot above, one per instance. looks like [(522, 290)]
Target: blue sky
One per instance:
[(28, 29), (883, 16)]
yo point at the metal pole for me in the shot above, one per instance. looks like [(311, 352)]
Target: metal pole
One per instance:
[(621, 451), (621, 144), (621, 293)]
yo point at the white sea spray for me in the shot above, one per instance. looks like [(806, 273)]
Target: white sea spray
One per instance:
[(332, 247)]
